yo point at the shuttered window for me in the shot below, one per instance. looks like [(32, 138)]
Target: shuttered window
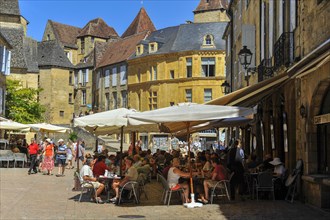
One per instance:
[(114, 76), (207, 95), (188, 95), (107, 79), (189, 67), (123, 75)]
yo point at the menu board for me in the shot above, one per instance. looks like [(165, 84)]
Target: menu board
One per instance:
[(160, 142)]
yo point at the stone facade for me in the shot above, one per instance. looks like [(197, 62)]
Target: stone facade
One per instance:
[(211, 16), (146, 94), (55, 95)]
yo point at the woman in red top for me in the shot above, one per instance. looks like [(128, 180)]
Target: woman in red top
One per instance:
[(48, 162), (219, 173)]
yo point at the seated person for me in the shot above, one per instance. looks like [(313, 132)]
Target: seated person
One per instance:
[(174, 174), (131, 174), (86, 174), (279, 170), (100, 167), (144, 168), (265, 164), (219, 173), (166, 169), (252, 163), (137, 161)]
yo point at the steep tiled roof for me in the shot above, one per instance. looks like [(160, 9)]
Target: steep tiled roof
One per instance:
[(50, 53), (66, 34), (31, 54), (15, 36), (98, 28), (9, 7), (141, 23), (121, 50), (209, 5), (99, 50), (186, 37)]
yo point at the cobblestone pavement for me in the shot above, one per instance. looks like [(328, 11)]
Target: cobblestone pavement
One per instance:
[(38, 196)]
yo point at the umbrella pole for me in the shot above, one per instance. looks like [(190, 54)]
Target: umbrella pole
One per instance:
[(193, 204), (96, 144), (121, 147)]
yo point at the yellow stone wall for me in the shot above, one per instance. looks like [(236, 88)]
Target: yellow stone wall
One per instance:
[(211, 16), (48, 31), (55, 95), (78, 106), (28, 80), (89, 46), (313, 24), (172, 90)]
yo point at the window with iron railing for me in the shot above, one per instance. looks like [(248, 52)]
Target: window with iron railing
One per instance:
[(283, 50)]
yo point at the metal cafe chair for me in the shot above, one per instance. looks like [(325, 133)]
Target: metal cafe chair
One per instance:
[(85, 185), (132, 187), (221, 188), (264, 183), (167, 191), (20, 157)]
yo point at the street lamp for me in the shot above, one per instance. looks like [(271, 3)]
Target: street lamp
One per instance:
[(245, 57), (225, 87)]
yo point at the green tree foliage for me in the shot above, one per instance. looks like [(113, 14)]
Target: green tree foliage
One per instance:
[(22, 104), (73, 136)]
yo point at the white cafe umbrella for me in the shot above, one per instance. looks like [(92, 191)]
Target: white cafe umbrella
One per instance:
[(49, 128), (112, 122), (176, 117), (11, 125)]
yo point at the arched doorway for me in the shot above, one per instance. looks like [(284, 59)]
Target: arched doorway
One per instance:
[(323, 136)]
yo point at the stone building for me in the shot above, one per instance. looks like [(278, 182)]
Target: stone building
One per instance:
[(78, 45), (56, 71), (13, 26), (177, 64), (211, 11), (112, 70), (288, 79), (5, 58)]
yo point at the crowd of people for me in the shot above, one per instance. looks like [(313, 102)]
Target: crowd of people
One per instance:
[(211, 166), (44, 155)]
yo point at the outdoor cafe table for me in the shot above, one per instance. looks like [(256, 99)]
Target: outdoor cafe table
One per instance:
[(108, 182)]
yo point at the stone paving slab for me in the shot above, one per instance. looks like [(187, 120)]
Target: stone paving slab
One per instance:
[(37, 196)]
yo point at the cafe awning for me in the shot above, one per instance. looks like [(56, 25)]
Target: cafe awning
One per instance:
[(251, 95)]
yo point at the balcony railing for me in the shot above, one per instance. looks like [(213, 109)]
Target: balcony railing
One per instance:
[(283, 50), (265, 70)]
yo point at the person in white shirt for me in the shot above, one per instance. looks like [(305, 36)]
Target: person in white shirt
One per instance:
[(86, 174)]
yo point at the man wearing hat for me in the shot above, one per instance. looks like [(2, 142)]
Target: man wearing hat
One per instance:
[(61, 157), (279, 169)]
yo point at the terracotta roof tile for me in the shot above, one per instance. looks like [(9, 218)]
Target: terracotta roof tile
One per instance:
[(66, 34), (205, 5), (141, 23), (121, 50), (98, 28)]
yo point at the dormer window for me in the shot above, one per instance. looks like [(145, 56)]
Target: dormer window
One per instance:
[(153, 47), (139, 50), (208, 41)]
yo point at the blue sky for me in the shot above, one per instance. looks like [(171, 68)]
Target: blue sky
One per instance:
[(116, 13)]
